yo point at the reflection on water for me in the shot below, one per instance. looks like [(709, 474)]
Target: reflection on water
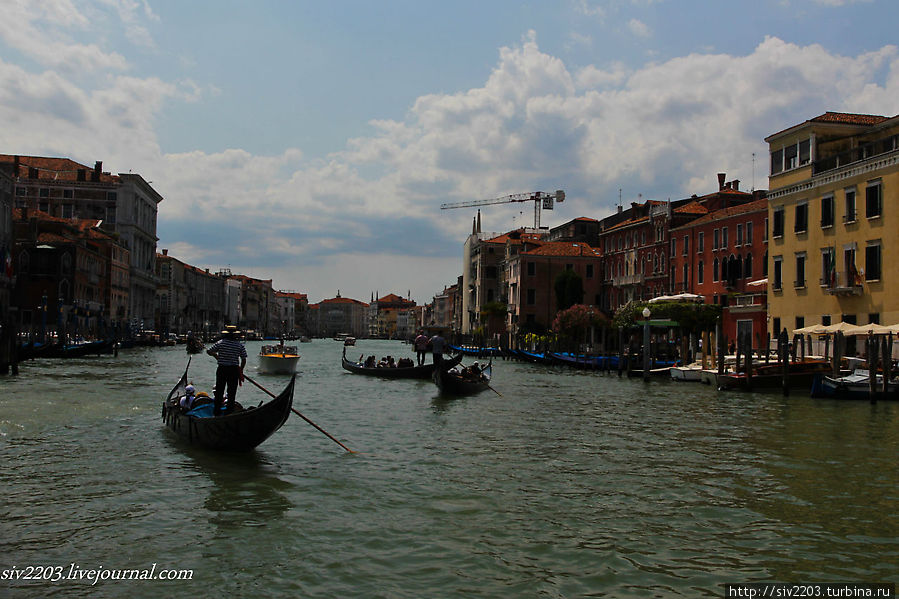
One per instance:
[(569, 484)]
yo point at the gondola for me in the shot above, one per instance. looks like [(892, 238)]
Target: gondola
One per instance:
[(194, 345), (453, 382), (81, 350), (407, 372), (241, 430)]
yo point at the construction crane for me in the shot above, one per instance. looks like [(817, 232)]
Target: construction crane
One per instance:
[(541, 200)]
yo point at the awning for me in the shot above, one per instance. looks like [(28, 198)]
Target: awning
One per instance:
[(680, 297), (757, 283)]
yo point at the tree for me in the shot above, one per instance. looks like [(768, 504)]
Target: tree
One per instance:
[(569, 289), (574, 322)]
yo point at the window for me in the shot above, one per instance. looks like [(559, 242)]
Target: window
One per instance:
[(747, 266), (739, 241), (828, 267), (805, 152), (589, 271), (874, 318), (873, 200), (776, 322), (777, 284), (791, 157), (827, 211), (716, 239), (801, 223), (800, 270), (686, 245), (778, 225), (765, 232), (700, 242), (715, 270), (777, 161), (724, 238), (872, 261), (68, 210), (849, 216), (800, 322), (532, 297), (532, 269), (825, 320), (673, 247), (20, 192), (44, 192), (749, 233), (686, 273), (700, 273)]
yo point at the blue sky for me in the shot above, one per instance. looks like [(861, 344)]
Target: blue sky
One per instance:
[(313, 143)]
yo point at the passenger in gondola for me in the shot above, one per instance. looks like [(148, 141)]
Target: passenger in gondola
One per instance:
[(371, 362), (391, 363), (187, 400), (405, 363)]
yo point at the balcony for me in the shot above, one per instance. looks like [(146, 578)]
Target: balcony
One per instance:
[(622, 281), (843, 283), (857, 154)]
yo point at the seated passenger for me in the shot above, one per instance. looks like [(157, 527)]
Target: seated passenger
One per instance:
[(187, 400), (370, 362)]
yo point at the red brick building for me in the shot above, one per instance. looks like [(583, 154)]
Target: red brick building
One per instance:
[(531, 280), (718, 256)]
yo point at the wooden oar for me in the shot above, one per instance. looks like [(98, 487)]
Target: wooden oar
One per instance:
[(298, 413)]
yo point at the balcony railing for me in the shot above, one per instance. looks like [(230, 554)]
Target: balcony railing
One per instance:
[(635, 279), (863, 152), (843, 283)]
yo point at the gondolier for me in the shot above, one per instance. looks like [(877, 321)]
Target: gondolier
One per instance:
[(231, 356)]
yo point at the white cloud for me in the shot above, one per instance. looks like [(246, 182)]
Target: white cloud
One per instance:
[(663, 130), (638, 28)]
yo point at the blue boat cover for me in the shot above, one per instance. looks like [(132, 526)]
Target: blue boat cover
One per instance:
[(203, 411)]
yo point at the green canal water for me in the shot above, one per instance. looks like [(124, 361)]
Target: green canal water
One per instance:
[(569, 484)]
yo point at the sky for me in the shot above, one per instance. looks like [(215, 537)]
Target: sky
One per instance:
[(312, 143)]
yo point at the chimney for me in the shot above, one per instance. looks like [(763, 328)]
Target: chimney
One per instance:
[(721, 177), (736, 184), (165, 251), (98, 168), (619, 208)]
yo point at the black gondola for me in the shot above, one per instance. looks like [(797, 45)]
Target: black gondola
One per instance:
[(241, 430), (194, 346), (81, 350), (400, 372), (456, 383)]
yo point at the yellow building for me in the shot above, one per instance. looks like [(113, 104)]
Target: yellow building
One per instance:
[(833, 218)]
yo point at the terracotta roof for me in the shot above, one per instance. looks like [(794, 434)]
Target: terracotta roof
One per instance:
[(342, 300), (298, 296), (393, 298), (627, 223), (849, 118), (20, 214), (53, 238), (692, 208), (55, 169), (586, 219), (756, 206), (564, 248)]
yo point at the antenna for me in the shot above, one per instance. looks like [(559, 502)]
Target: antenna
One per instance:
[(753, 171)]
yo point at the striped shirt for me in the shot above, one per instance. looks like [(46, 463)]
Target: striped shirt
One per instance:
[(228, 352)]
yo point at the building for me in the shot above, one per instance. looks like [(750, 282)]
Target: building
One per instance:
[(293, 309), (391, 317), (8, 317), (532, 305), (63, 268), (721, 256), (256, 297), (833, 208), (189, 299), (125, 204), (340, 315)]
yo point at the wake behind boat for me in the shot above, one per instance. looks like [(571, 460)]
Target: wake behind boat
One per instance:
[(242, 430)]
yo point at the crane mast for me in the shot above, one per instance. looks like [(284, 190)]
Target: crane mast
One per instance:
[(542, 200)]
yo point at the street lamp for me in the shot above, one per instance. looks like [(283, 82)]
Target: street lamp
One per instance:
[(646, 357)]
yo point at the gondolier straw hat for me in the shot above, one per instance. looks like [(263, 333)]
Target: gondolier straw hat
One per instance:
[(231, 330)]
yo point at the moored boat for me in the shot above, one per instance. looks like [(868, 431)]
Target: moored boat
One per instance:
[(242, 430), (278, 359), (400, 372), (81, 350), (690, 372), (856, 385), (801, 375)]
